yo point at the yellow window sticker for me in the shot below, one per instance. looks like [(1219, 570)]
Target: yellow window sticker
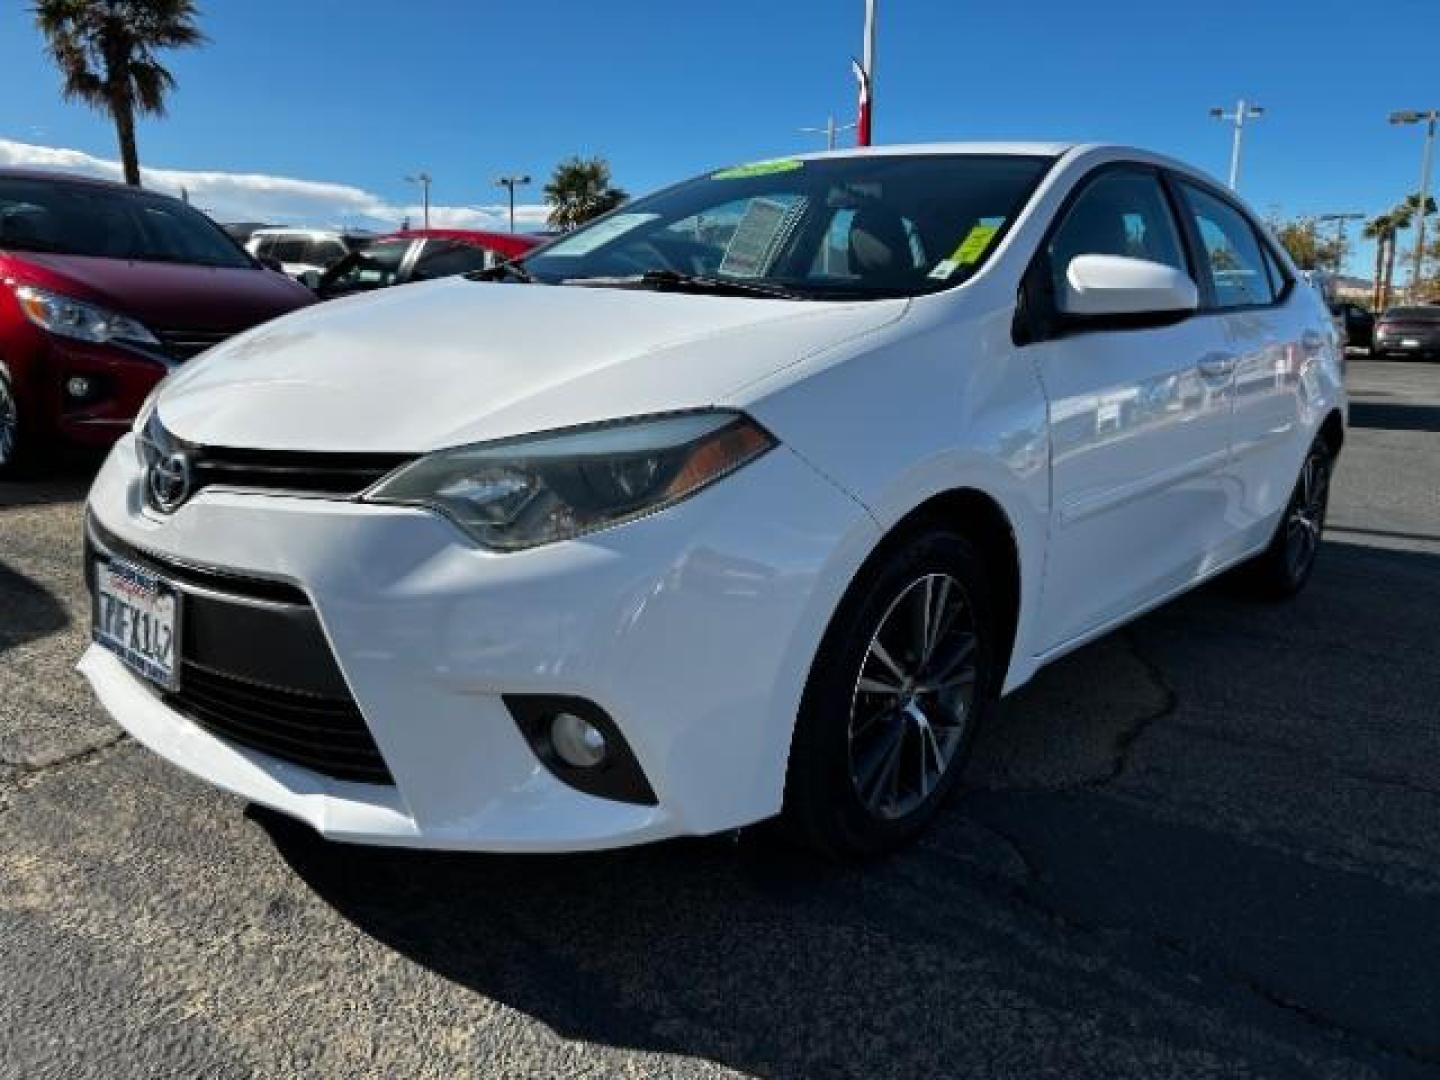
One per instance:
[(758, 168), (976, 243)]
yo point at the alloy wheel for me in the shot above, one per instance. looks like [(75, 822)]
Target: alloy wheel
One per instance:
[(1307, 515), (913, 697)]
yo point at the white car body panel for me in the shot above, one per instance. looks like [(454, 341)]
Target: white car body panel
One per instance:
[(498, 360), (1129, 466)]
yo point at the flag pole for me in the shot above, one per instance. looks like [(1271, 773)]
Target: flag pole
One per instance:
[(866, 78)]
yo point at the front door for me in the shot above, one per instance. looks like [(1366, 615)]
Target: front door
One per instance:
[(1139, 421)]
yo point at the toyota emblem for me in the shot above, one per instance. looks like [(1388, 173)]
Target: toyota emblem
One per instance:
[(168, 481)]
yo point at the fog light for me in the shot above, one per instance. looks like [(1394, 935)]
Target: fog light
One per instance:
[(577, 742), (78, 386)]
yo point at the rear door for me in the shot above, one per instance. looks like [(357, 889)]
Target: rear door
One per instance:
[(1139, 420), (1274, 331)]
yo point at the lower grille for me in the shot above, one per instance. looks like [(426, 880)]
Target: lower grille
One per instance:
[(182, 345), (256, 668), (325, 734)]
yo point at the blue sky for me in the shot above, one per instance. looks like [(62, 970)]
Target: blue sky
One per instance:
[(363, 92)]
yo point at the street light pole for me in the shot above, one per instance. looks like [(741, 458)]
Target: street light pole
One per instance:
[(424, 180), (1339, 220), (1243, 111), (510, 183), (1428, 118), (830, 130)]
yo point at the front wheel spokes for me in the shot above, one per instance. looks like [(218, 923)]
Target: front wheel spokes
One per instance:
[(911, 701), (955, 667), (878, 770)]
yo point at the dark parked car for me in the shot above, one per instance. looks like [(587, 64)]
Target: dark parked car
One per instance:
[(1357, 323), (103, 289), (421, 255), (1409, 331)]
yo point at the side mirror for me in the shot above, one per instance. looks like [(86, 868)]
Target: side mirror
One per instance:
[(269, 262), (1098, 285)]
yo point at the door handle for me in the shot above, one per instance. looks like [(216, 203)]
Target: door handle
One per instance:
[(1216, 364)]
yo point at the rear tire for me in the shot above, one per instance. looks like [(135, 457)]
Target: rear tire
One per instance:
[(1284, 567), (903, 679)]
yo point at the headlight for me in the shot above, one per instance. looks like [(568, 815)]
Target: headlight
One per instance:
[(74, 319), (520, 493), (147, 407)]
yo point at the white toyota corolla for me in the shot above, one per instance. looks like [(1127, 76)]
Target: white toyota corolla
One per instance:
[(749, 499)]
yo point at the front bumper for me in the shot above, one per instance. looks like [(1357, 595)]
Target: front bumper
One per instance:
[(693, 629)]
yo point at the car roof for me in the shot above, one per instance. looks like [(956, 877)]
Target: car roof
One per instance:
[(1088, 152), (1003, 149), (510, 244), (59, 176), (301, 230)]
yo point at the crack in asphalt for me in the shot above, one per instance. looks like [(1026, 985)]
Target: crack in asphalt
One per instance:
[(1032, 896), (1126, 740), (1367, 776), (22, 775), (1031, 893)]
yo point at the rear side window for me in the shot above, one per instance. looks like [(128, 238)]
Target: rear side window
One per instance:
[(324, 253), (446, 258), (1231, 251), (1120, 212), (289, 249)]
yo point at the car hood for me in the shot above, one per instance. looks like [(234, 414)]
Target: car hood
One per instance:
[(170, 296), (420, 367)]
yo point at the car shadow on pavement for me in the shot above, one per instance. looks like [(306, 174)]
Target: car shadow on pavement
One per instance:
[(28, 611), (1394, 416), (1049, 900), (64, 476)]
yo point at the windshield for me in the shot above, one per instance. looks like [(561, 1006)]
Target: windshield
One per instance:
[(81, 219), (848, 227), (1414, 314)]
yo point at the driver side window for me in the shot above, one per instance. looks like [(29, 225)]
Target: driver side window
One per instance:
[(1120, 212)]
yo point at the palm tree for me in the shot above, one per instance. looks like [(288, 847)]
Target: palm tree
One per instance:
[(1382, 228), (580, 189), (1412, 211), (106, 53)]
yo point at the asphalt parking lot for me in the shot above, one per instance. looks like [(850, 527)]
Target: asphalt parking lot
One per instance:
[(1208, 845)]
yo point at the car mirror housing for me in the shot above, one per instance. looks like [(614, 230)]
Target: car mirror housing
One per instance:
[(1109, 285)]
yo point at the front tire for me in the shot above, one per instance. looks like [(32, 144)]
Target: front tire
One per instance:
[(13, 442), (902, 681), (1285, 567)]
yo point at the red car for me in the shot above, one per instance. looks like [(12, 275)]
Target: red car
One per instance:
[(421, 255), (103, 289)]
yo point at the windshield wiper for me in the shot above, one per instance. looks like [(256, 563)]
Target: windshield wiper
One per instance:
[(502, 270), (675, 281)]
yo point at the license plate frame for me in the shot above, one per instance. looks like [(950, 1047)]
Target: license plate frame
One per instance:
[(130, 606)]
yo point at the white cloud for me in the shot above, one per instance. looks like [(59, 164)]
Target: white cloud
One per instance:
[(282, 200)]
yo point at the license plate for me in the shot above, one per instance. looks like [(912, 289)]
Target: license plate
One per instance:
[(137, 617), (1410, 342)]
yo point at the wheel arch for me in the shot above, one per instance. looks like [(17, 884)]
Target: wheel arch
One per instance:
[(981, 518)]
